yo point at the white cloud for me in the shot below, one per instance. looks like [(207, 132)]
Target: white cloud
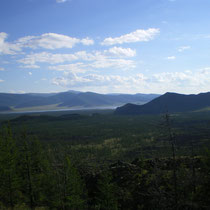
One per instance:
[(87, 41), (103, 63), (30, 73), (30, 66), (171, 57), (97, 80), (205, 70), (121, 52), (183, 48), (95, 59), (61, 1), (6, 47), (2, 69), (51, 58), (72, 79), (171, 77), (73, 68), (139, 35), (186, 81), (1, 80), (49, 41), (113, 63), (45, 57)]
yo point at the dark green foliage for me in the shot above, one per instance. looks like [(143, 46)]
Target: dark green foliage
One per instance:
[(202, 194), (74, 190), (107, 193), (9, 180), (34, 170), (72, 173)]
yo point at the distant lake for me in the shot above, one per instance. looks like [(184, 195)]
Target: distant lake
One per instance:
[(60, 110)]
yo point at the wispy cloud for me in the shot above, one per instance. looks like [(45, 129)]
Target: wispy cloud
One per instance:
[(54, 58), (52, 41), (123, 64), (2, 69), (6, 47), (73, 68), (115, 58), (46, 57), (30, 66), (81, 67), (183, 48), (121, 52), (139, 35), (61, 1), (1, 80), (97, 80), (171, 57)]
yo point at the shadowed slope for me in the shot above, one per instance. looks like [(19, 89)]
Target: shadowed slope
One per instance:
[(171, 102)]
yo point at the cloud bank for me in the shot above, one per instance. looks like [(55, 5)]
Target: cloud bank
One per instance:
[(116, 58), (192, 82), (49, 41)]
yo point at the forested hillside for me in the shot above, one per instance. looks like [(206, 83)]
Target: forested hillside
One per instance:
[(102, 161)]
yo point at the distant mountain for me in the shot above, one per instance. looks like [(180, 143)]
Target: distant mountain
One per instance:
[(70, 99), (169, 102), (5, 108)]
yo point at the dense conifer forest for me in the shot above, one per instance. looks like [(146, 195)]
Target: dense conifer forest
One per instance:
[(103, 161)]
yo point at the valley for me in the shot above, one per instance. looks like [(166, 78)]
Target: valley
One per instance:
[(108, 158)]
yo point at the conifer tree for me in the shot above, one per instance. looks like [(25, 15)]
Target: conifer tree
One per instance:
[(73, 191), (9, 180), (34, 171), (172, 141), (107, 193)]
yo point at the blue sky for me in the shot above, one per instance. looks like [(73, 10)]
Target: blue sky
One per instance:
[(105, 46)]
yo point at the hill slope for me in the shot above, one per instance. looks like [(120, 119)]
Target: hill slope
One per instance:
[(71, 99), (171, 102)]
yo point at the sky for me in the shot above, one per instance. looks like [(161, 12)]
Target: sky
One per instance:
[(105, 46)]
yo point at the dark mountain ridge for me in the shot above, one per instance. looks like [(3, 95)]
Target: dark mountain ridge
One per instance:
[(169, 102)]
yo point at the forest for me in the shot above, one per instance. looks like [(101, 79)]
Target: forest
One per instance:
[(97, 160)]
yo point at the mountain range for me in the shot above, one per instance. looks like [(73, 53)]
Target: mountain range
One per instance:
[(169, 102), (69, 99)]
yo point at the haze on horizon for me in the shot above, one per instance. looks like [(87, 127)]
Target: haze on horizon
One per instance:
[(105, 46)]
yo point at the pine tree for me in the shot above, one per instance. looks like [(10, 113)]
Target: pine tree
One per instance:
[(172, 141), (33, 169), (9, 180), (73, 191), (107, 193)]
